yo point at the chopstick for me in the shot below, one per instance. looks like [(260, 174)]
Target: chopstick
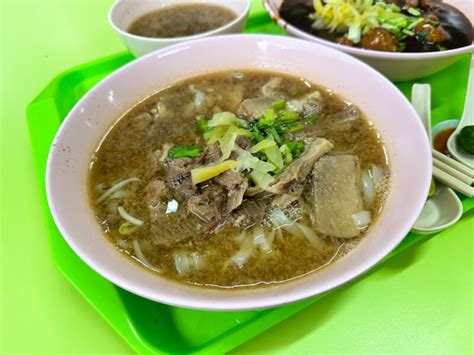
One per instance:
[(452, 182), (453, 172), (453, 163), (445, 169)]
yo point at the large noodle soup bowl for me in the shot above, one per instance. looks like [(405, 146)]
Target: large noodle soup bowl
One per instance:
[(70, 156)]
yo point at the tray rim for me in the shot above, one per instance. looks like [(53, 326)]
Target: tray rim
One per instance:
[(229, 339)]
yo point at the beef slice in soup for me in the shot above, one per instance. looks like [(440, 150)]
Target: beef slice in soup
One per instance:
[(299, 169), (225, 180), (337, 195)]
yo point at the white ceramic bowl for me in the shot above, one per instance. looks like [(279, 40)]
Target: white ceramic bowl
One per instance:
[(407, 149), (395, 66), (124, 12)]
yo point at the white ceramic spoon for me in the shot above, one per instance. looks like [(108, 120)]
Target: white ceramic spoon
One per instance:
[(467, 119), (444, 208)]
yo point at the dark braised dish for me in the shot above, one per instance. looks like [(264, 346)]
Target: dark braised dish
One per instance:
[(237, 179), (382, 25)]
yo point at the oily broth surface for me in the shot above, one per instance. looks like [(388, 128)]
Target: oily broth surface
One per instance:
[(181, 20), (169, 116)]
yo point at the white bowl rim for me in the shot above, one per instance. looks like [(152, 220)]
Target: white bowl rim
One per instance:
[(224, 27), (369, 53), (231, 305)]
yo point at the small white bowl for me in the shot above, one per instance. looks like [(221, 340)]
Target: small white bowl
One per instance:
[(395, 66), (407, 149), (442, 126), (124, 12)]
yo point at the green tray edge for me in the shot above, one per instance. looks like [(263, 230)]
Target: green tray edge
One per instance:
[(112, 309)]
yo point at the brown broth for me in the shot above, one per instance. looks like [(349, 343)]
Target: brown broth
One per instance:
[(169, 116), (181, 20), (440, 141)]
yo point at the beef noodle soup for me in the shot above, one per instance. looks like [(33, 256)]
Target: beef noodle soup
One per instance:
[(238, 179)]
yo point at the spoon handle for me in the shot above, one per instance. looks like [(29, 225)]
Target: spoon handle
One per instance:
[(468, 115), (421, 101)]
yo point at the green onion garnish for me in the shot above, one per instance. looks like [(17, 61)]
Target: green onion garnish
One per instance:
[(279, 105), (182, 151)]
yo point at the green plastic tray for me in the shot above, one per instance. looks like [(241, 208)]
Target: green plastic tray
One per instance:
[(150, 327)]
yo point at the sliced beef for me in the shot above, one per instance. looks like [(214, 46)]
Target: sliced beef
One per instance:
[(284, 200), (155, 164), (169, 229), (229, 179), (250, 213), (212, 153), (178, 176), (156, 191), (243, 142), (235, 196), (157, 160), (337, 195), (310, 104), (274, 89), (253, 108), (300, 168), (209, 204)]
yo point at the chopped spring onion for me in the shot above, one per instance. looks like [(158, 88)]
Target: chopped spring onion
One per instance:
[(129, 218), (181, 151), (296, 92), (114, 188), (268, 118), (295, 147), (286, 154), (205, 173), (204, 127), (279, 105), (413, 11), (311, 118)]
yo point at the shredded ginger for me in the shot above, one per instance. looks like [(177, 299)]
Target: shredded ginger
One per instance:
[(357, 17)]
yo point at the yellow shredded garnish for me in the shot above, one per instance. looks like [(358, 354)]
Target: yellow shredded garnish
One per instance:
[(358, 17)]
